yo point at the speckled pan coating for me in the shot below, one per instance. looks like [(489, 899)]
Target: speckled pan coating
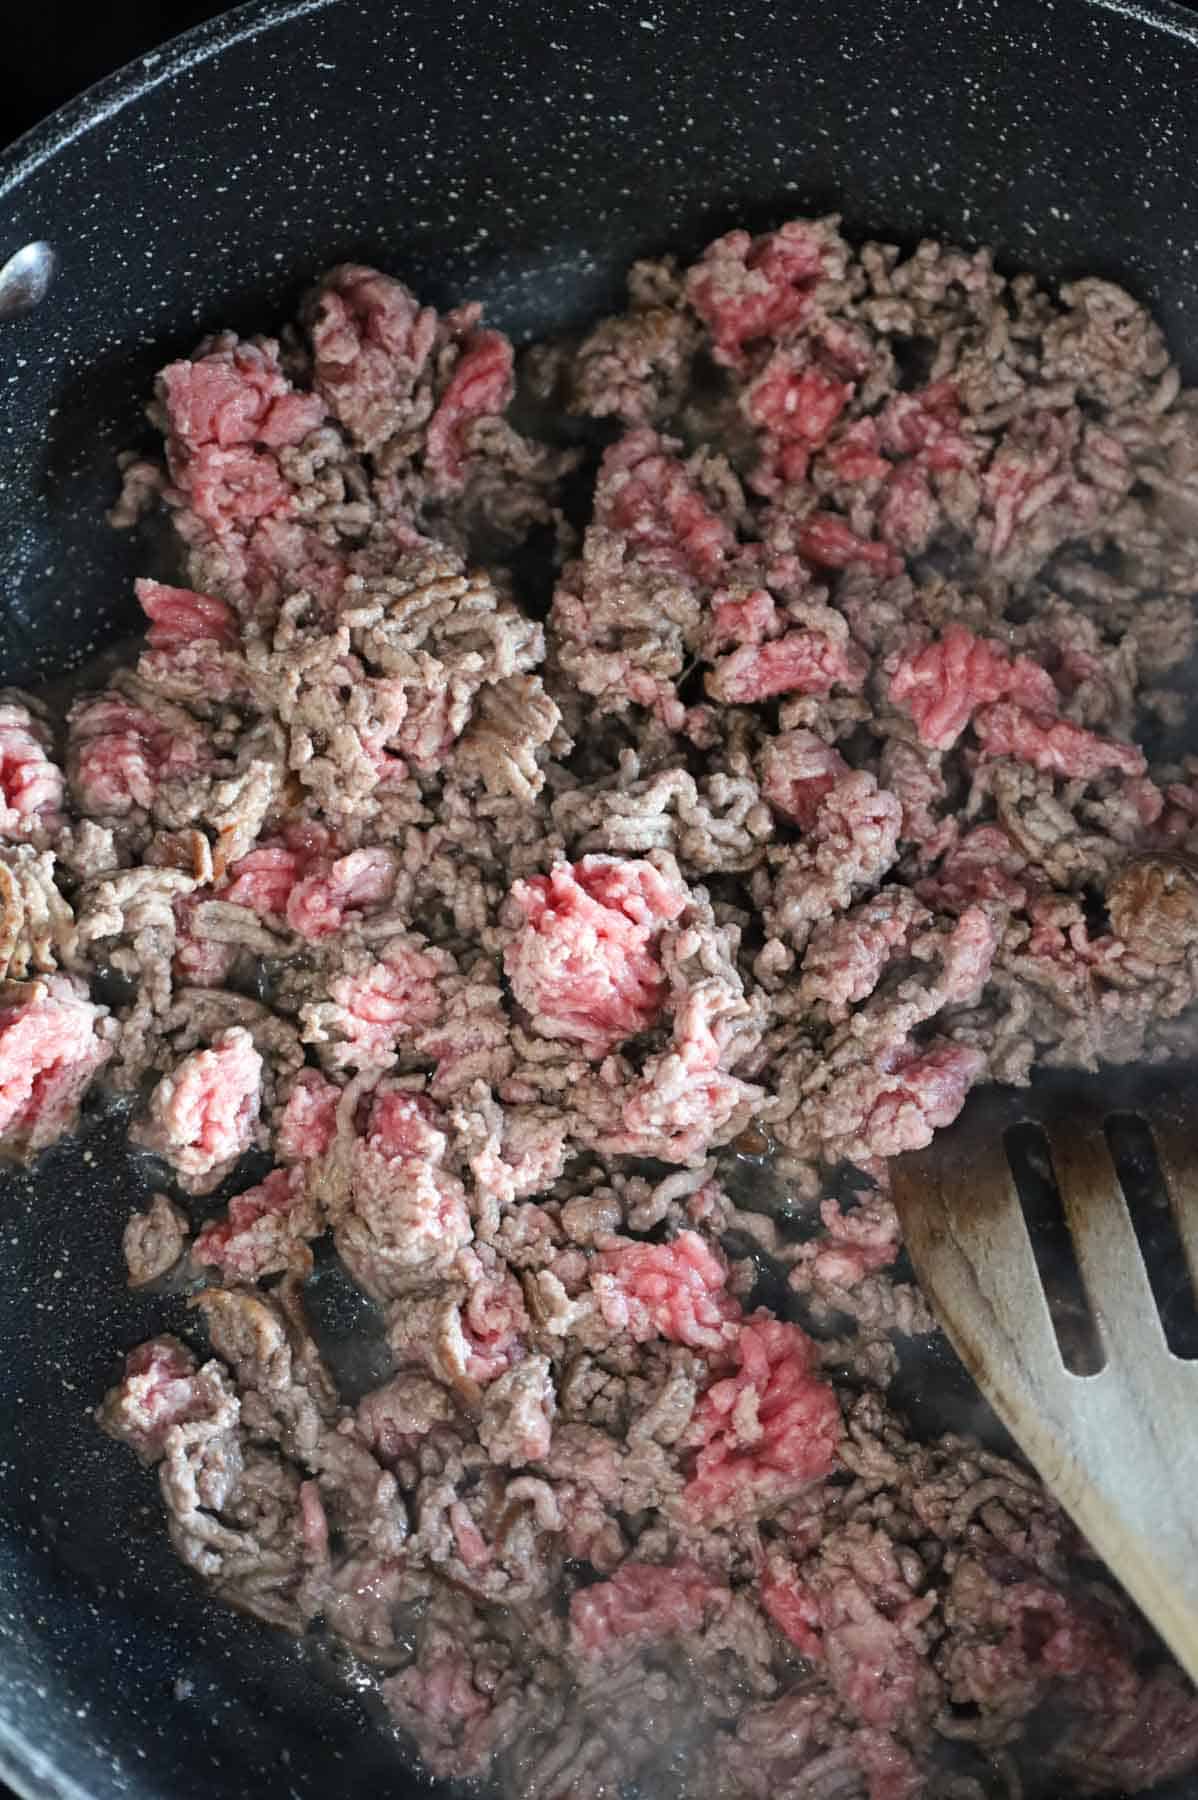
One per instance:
[(523, 152)]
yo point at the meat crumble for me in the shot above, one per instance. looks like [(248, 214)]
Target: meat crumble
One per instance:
[(835, 779)]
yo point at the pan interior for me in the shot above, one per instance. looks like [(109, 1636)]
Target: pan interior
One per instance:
[(523, 157)]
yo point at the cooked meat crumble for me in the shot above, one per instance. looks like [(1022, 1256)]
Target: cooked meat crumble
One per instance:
[(835, 781)]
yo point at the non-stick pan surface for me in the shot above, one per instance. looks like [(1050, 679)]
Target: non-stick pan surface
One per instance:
[(523, 153)]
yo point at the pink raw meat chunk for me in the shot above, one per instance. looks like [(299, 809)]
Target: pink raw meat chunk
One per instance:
[(49, 1053), (263, 879), (829, 542), (796, 399), (479, 388), (236, 395), (645, 494), (791, 1606), (927, 425), (405, 1124), (985, 865), (942, 684), (371, 340), (449, 1717), (493, 1323), (802, 662), (297, 882), (845, 958), (308, 1122), (922, 1091), (319, 904), (31, 786), (1057, 746), (642, 1603), (158, 1390), (738, 618), (857, 1242), (265, 1230), (766, 1431), (585, 965), (676, 1291), (685, 1098), (798, 769), (120, 753), (747, 288), (795, 403), (412, 1210), (178, 616), (192, 642), (231, 489), (202, 1118), (853, 454), (226, 412), (395, 998)]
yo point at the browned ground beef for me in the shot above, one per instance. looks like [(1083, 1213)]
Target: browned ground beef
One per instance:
[(841, 775)]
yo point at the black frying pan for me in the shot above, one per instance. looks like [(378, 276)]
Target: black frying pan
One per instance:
[(524, 155)]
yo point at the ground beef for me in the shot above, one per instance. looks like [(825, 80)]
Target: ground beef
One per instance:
[(676, 1291), (266, 1230), (583, 965), (121, 755), (1055, 745), (31, 784), (943, 684), (539, 956), (766, 1430), (516, 1426), (53, 1041), (202, 1118), (37, 925), (798, 770), (374, 1007), (643, 1601), (398, 1209), (370, 343), (852, 843), (161, 1388), (155, 1240)]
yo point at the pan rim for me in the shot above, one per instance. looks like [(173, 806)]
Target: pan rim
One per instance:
[(31, 1773), (97, 104), (29, 153)]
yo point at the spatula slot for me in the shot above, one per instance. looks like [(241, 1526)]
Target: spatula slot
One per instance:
[(1137, 1165), (1052, 1246)]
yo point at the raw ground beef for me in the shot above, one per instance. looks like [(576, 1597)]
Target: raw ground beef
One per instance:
[(573, 978)]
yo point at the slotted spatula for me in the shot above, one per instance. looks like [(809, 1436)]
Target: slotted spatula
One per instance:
[(1119, 1447)]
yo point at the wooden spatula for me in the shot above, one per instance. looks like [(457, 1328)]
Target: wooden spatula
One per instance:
[(1118, 1447)]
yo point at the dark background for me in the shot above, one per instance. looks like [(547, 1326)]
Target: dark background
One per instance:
[(50, 51)]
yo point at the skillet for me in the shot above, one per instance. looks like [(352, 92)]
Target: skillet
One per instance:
[(524, 155)]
